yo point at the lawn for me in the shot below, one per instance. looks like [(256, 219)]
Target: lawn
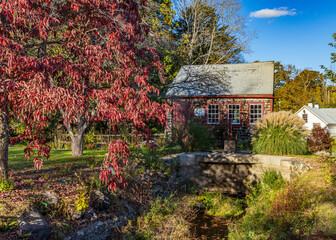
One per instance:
[(17, 161)]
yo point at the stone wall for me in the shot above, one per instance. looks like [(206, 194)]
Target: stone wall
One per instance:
[(232, 173)]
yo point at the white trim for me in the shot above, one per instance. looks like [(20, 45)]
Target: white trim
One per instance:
[(230, 104), (249, 112), (215, 104), (305, 107)]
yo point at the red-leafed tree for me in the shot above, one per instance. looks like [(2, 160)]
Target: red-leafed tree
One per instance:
[(83, 59)]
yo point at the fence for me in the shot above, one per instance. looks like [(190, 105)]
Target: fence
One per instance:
[(61, 139)]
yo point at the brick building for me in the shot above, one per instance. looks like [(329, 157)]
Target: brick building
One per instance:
[(229, 95)]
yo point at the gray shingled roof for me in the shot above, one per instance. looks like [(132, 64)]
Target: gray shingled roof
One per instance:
[(328, 115), (223, 79)]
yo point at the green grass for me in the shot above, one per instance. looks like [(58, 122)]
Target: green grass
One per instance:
[(17, 161), (218, 204)]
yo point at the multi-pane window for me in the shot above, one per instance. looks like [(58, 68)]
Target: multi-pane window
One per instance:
[(255, 112), (234, 113), (213, 114), (305, 117)]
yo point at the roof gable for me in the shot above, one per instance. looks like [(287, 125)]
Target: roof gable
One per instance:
[(327, 115), (224, 79)]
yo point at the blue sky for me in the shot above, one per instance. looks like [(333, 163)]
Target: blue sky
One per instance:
[(293, 32)]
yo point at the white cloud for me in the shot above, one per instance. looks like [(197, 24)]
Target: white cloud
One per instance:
[(275, 12)]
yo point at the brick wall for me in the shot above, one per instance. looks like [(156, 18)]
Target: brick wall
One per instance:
[(240, 130)]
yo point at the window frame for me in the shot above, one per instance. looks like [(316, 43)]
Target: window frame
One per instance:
[(240, 113), (219, 113), (249, 109), (305, 117)]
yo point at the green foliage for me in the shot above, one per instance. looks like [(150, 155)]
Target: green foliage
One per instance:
[(200, 138), (43, 206), (326, 218), (8, 225), (159, 209), (91, 162), (244, 145), (193, 137), (218, 204), (82, 201), (330, 168), (89, 137), (85, 189), (90, 140), (279, 133), (6, 184), (151, 158), (273, 179), (329, 73)]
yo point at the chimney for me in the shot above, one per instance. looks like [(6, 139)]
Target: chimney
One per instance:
[(310, 104), (317, 105)]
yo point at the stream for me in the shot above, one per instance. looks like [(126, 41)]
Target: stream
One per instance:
[(206, 226)]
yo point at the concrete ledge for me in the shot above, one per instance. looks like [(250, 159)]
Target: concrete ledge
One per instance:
[(232, 171)]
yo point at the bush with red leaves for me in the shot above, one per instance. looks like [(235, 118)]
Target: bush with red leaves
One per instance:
[(320, 140)]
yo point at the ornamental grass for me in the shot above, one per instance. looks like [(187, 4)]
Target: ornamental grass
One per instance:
[(279, 133)]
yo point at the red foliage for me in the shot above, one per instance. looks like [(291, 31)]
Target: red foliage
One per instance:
[(320, 140), (82, 58)]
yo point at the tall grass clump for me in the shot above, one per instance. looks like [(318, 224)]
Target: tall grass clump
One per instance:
[(279, 133), (218, 204)]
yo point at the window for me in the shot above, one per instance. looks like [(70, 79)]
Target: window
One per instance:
[(256, 111), (305, 117), (234, 113), (213, 113)]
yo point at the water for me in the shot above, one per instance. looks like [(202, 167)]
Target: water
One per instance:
[(210, 227)]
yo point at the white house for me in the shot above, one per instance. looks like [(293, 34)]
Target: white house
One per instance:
[(313, 115)]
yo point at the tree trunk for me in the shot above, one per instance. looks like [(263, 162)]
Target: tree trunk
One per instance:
[(77, 139), (4, 137), (77, 145)]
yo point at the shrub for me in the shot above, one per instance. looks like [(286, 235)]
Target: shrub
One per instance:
[(151, 158), (244, 145), (200, 138), (193, 137), (279, 133), (320, 140), (82, 201), (6, 184)]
